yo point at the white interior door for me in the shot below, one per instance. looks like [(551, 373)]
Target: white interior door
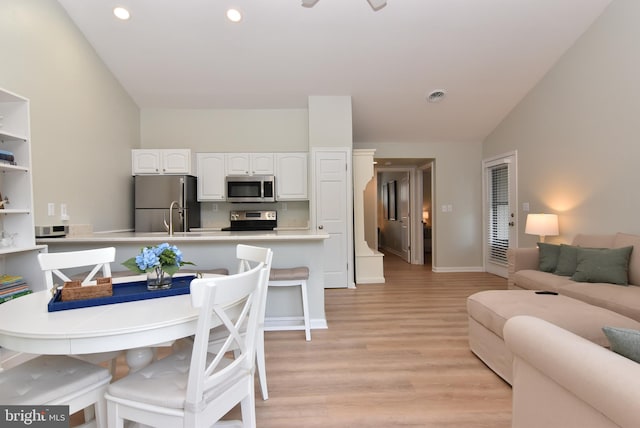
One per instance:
[(332, 214), (501, 217), (404, 210)]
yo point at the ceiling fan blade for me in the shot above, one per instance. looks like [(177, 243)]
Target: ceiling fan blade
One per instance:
[(309, 3), (377, 4)]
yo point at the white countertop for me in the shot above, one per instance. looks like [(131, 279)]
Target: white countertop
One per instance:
[(209, 236)]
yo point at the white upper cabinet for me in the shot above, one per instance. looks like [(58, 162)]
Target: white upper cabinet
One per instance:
[(211, 176), (249, 164), (291, 176), (161, 161)]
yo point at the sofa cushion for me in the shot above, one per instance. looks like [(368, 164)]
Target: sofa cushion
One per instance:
[(609, 265), (493, 308), (567, 260), (624, 341), (548, 256), (623, 300), (624, 240), (535, 280)]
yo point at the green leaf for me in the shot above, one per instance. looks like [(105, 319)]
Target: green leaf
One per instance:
[(132, 265)]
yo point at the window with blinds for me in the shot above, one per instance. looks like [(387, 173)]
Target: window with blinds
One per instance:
[(498, 214)]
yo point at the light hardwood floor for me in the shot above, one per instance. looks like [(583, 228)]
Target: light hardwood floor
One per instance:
[(394, 355)]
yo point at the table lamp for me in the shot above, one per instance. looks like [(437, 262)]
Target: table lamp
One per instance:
[(542, 225)]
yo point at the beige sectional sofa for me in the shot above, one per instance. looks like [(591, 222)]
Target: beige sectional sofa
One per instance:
[(562, 380), (525, 273)]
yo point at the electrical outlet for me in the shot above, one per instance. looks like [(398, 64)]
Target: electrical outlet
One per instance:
[(51, 209), (525, 206)]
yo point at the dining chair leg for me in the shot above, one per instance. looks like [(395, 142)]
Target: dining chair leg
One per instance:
[(248, 409), (262, 370)]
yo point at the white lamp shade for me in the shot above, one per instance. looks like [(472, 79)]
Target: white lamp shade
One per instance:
[(542, 224)]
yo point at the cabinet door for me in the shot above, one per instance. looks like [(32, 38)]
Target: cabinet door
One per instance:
[(261, 164), (291, 176), (211, 174), (238, 164), (145, 161), (176, 161)]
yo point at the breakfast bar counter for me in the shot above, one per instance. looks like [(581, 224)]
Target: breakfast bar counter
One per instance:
[(216, 249)]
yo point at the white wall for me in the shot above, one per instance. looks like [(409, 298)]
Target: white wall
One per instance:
[(458, 182), (577, 132), (83, 124), (266, 130)]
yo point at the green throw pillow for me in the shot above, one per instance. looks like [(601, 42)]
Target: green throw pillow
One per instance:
[(609, 265), (548, 255), (624, 341), (567, 260)]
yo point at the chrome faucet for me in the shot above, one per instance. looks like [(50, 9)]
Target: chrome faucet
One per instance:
[(169, 226)]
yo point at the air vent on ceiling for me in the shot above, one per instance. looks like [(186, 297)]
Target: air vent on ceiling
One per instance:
[(436, 96)]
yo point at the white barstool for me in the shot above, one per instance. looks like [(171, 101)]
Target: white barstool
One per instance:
[(291, 277)]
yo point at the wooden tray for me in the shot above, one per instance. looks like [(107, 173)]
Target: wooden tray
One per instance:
[(123, 292)]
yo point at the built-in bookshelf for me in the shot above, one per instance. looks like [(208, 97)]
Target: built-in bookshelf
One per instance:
[(18, 249)]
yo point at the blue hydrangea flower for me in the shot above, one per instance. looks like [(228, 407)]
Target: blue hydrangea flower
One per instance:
[(162, 256)]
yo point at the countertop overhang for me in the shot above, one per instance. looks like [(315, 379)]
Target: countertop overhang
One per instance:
[(210, 236)]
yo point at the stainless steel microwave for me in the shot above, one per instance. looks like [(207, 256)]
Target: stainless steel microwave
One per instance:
[(253, 188)]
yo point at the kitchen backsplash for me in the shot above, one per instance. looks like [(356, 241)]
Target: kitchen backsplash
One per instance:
[(290, 214)]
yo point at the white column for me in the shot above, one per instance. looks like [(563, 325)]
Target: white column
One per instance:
[(369, 262)]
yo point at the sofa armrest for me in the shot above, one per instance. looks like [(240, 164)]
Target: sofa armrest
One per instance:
[(521, 259), (563, 380)]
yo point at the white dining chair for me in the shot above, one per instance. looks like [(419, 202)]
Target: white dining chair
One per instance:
[(192, 387), (58, 380), (64, 265), (248, 256)]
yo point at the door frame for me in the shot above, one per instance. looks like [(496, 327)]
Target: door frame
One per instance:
[(512, 159), (416, 242)]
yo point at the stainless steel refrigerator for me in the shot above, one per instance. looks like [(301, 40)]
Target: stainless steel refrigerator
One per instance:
[(154, 195)]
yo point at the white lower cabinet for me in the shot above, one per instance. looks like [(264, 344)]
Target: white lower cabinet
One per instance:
[(211, 176)]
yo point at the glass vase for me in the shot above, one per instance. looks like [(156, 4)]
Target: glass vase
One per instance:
[(158, 279)]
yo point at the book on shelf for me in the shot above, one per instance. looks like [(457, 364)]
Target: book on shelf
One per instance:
[(13, 290), (8, 281), (4, 298)]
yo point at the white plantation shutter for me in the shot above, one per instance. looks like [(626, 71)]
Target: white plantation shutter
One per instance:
[(498, 232)]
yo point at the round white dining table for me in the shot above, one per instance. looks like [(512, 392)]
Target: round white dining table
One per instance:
[(27, 326)]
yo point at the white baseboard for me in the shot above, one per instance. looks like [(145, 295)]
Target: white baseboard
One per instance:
[(458, 269)]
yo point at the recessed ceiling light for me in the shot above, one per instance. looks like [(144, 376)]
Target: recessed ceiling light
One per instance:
[(234, 15), (436, 96), (121, 13)]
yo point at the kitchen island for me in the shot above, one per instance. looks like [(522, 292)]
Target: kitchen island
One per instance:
[(216, 249)]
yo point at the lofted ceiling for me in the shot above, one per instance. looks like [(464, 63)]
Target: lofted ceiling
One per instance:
[(485, 54)]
